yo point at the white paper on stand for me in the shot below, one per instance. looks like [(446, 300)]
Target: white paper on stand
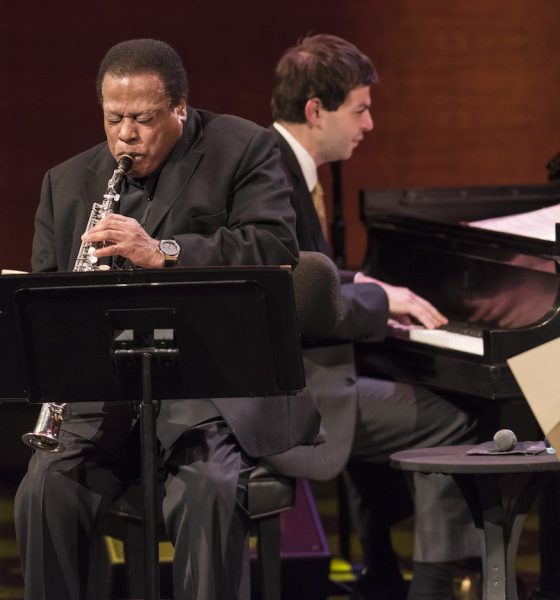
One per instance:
[(540, 224), (536, 372)]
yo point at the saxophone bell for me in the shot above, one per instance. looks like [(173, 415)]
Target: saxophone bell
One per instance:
[(47, 429)]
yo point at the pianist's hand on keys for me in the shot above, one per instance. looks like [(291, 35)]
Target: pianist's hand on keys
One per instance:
[(454, 336), (405, 305)]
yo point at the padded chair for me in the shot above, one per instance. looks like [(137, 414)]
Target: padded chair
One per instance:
[(317, 296), (269, 495)]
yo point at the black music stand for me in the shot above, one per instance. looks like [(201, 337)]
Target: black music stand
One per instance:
[(212, 333)]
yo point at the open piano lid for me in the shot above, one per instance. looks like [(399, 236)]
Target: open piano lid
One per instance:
[(506, 285)]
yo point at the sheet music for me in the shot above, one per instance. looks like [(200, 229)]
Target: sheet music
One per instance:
[(540, 224), (536, 373)]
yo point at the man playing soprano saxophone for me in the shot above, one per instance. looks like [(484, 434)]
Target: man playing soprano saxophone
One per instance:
[(203, 190)]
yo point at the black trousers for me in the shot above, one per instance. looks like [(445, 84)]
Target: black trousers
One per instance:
[(204, 511)]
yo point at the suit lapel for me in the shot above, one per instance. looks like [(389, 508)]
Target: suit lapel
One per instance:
[(176, 172), (310, 234), (173, 178)]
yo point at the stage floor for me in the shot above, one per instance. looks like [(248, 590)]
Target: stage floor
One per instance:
[(342, 572)]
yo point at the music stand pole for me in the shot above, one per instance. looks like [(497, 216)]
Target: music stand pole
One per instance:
[(148, 454), (149, 469)]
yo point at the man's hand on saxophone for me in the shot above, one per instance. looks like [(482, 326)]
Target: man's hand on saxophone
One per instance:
[(125, 237)]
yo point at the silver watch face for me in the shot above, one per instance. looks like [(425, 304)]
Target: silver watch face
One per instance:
[(169, 247)]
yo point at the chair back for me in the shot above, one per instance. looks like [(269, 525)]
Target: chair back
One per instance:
[(317, 294)]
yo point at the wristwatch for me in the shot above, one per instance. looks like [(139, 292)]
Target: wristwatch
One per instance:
[(170, 250)]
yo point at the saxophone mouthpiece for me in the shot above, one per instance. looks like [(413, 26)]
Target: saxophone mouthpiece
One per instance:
[(125, 163)]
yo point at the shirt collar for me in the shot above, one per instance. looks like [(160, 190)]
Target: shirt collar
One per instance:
[(305, 160)]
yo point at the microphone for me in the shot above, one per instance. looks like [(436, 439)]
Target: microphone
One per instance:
[(505, 440)]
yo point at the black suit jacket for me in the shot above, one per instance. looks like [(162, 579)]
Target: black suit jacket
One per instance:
[(330, 370), (308, 228), (222, 196)]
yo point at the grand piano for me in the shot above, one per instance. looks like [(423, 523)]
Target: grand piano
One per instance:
[(499, 290)]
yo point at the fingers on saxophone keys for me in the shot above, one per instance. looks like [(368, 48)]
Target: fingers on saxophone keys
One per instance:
[(110, 237), (100, 233)]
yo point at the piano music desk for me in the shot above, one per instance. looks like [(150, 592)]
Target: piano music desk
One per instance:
[(500, 490)]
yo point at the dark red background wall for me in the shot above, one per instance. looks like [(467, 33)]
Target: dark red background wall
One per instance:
[(469, 89)]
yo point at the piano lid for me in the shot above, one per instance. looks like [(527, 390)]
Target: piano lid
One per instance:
[(471, 282), (477, 276), (459, 204), (507, 285)]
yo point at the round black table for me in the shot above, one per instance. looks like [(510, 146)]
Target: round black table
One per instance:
[(499, 489)]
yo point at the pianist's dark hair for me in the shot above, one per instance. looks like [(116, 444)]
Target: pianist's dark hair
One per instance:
[(321, 66), (135, 57)]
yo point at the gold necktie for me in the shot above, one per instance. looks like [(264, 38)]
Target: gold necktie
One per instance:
[(318, 198)]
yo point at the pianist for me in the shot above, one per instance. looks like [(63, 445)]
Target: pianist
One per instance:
[(321, 107)]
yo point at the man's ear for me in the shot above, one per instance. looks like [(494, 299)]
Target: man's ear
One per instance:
[(182, 109), (313, 109)]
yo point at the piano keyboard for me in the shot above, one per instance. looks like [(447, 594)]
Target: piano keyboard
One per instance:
[(453, 336)]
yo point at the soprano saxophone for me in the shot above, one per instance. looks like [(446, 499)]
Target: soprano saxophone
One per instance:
[(46, 433), (85, 260)]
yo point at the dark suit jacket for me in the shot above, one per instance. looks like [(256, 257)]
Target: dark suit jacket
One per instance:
[(222, 196), (329, 367)]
